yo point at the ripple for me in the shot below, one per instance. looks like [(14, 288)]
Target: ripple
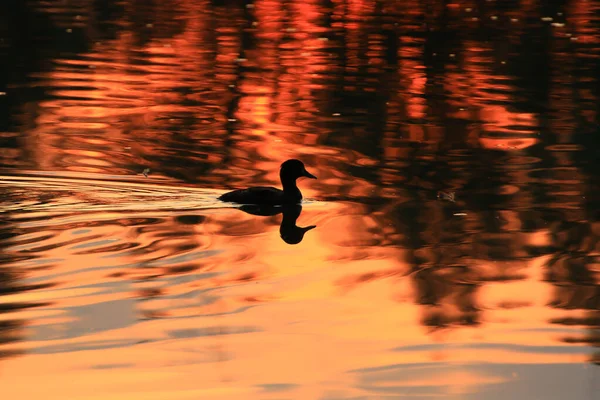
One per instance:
[(565, 147), (104, 195)]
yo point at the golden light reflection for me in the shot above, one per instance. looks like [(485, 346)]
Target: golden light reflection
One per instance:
[(137, 285)]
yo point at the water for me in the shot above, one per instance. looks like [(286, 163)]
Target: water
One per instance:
[(456, 248)]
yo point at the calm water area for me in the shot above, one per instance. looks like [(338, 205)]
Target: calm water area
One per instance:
[(449, 249)]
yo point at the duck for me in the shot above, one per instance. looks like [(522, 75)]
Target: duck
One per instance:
[(289, 172)]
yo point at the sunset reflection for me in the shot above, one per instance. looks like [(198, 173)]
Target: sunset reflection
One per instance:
[(125, 120)]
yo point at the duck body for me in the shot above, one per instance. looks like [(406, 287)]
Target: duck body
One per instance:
[(290, 171), (259, 195)]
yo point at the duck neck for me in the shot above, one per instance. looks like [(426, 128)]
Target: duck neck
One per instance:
[(290, 189)]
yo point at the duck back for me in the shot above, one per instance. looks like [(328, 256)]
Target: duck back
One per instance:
[(255, 195)]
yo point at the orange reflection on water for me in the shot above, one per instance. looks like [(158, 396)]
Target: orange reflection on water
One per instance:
[(304, 311), (310, 329), (138, 285)]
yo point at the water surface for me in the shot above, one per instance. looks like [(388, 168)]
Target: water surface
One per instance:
[(456, 248)]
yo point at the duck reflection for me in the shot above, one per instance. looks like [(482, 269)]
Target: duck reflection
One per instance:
[(288, 230)]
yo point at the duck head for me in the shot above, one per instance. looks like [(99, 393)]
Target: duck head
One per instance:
[(293, 169)]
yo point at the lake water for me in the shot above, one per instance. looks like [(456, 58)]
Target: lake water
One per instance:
[(456, 252)]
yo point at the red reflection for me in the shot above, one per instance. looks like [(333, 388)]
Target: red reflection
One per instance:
[(388, 103)]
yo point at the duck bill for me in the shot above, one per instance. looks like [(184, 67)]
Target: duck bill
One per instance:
[(309, 175)]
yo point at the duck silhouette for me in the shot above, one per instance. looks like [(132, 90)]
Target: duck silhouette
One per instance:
[(289, 172), (288, 230)]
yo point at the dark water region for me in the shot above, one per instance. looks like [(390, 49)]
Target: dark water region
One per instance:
[(449, 247)]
